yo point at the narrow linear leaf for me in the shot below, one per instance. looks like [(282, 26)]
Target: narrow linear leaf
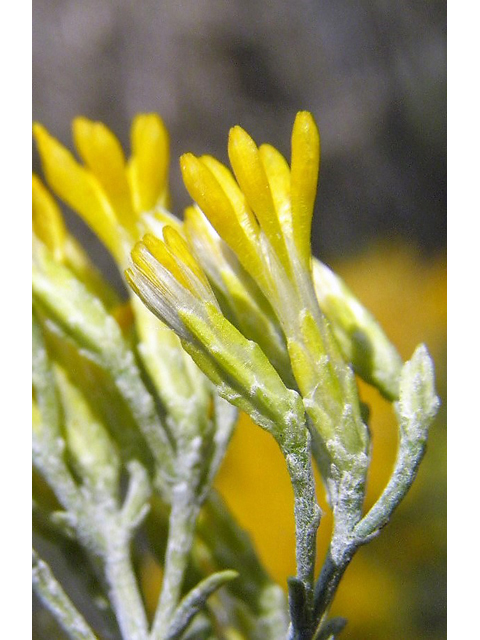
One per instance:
[(360, 337), (231, 546), (44, 383), (194, 601), (331, 629), (418, 403), (415, 410), (83, 318), (57, 602)]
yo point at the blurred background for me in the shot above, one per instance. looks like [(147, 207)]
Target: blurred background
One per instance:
[(374, 75)]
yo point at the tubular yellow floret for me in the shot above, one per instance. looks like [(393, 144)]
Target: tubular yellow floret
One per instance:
[(182, 251), (174, 255), (143, 265), (249, 171), (207, 191), (102, 153), (278, 175), (167, 259), (77, 187), (236, 196), (47, 219), (148, 166), (304, 171)]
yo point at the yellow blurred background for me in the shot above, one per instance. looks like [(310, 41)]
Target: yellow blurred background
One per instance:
[(396, 586)]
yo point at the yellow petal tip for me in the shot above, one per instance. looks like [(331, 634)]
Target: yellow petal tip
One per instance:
[(186, 159), (39, 132), (238, 137)]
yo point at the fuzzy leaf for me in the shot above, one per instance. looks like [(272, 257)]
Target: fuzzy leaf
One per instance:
[(89, 445), (46, 398), (418, 403), (331, 629), (194, 601), (360, 337), (82, 317), (56, 600)]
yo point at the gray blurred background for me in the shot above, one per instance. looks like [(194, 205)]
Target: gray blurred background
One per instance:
[(372, 72)]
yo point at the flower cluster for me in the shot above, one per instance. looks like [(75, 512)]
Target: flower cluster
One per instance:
[(238, 271), (119, 200), (248, 316), (245, 253)]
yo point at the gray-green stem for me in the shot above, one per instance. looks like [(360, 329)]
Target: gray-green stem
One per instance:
[(124, 592), (410, 454), (409, 457), (307, 520), (183, 518)]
